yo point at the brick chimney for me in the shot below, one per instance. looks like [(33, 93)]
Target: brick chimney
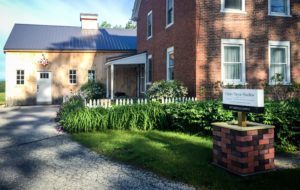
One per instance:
[(89, 21)]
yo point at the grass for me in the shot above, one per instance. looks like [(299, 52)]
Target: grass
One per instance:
[(180, 157), (2, 98)]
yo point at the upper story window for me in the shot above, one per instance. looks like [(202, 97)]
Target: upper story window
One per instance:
[(149, 69), (149, 25), (170, 63), (20, 77), (279, 58), (91, 75), (232, 5), (233, 61), (73, 76), (279, 7), (170, 12)]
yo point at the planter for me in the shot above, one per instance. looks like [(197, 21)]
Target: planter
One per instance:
[(243, 150)]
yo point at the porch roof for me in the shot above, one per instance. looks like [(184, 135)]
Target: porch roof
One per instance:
[(131, 60)]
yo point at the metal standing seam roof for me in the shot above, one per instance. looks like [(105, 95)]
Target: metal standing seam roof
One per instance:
[(46, 37)]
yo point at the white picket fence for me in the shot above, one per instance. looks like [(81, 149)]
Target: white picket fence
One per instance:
[(106, 103)]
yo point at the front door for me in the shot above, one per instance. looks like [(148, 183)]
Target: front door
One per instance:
[(44, 89)]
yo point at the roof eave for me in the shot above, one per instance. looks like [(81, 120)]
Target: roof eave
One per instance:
[(135, 11)]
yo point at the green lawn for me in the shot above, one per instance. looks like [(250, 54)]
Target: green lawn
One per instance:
[(2, 98), (180, 157)]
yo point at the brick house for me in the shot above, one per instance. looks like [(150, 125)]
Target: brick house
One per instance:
[(201, 42)]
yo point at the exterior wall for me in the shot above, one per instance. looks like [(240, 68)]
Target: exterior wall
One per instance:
[(181, 35), (256, 27), (196, 36), (59, 65)]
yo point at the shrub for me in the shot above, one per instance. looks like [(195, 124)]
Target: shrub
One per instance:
[(74, 104), (284, 115), (93, 90), (166, 89), (196, 117)]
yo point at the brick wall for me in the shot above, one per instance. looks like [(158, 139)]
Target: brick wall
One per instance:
[(181, 35), (196, 36), (256, 27)]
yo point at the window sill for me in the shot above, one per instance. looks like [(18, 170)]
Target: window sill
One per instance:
[(169, 25), (284, 83), (148, 38), (149, 83), (234, 83), (233, 11), (279, 15)]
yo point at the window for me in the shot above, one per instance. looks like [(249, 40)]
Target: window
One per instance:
[(72, 77), (20, 77), (149, 25), (44, 75), (170, 12), (142, 79), (233, 61), (91, 75), (149, 69), (279, 7), (232, 5), (279, 57), (170, 63)]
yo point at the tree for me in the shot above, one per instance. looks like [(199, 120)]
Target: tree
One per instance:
[(105, 24), (130, 25)]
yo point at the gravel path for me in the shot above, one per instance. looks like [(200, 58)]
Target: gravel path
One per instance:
[(33, 155)]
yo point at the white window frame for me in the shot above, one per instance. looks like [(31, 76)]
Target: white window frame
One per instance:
[(288, 14), (20, 75), (234, 42), (170, 50), (169, 24), (150, 14), (225, 10), (287, 46), (70, 75), (148, 74)]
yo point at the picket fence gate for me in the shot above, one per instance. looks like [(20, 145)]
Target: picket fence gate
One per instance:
[(107, 103)]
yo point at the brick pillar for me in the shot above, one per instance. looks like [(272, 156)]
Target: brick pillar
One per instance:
[(243, 150)]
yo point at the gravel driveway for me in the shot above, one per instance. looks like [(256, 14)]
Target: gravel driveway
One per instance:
[(33, 155)]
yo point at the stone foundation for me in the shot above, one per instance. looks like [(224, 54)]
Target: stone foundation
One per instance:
[(243, 150)]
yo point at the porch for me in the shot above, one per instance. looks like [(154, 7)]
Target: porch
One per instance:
[(126, 77)]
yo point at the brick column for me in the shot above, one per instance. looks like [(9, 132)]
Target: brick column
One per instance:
[(243, 150)]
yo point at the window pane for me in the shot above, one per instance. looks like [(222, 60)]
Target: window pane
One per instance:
[(233, 4), (233, 71), (171, 60), (278, 55), (149, 28), (170, 11), (171, 73), (232, 54), (150, 70), (278, 69), (279, 6)]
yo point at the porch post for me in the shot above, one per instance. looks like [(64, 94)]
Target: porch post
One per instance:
[(107, 82), (112, 81)]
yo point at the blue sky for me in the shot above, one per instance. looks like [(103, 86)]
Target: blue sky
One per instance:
[(57, 12)]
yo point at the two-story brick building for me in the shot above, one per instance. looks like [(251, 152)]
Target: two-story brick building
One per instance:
[(200, 42)]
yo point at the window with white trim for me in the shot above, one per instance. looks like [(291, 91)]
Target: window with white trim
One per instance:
[(20, 77), (149, 25), (279, 7), (279, 58), (149, 69), (170, 63), (233, 61), (91, 75), (169, 12), (73, 76), (232, 5)]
